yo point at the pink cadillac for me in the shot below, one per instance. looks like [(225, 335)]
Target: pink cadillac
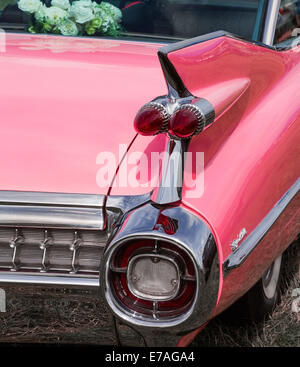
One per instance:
[(150, 165)]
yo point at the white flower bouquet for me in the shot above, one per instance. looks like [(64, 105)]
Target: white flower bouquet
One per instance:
[(82, 17)]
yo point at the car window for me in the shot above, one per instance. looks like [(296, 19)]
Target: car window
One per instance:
[(178, 19), (288, 23)]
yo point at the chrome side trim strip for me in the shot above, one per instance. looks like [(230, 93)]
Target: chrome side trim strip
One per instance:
[(244, 250), (271, 21), (48, 280), (51, 210)]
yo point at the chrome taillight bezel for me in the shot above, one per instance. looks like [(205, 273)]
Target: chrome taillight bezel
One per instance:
[(153, 316)]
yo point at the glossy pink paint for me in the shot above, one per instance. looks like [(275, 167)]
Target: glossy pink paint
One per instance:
[(64, 100), (239, 148), (252, 154)]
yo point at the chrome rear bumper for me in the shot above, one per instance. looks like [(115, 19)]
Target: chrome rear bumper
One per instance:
[(51, 246), (51, 239), (56, 239), (51, 253), (50, 267)]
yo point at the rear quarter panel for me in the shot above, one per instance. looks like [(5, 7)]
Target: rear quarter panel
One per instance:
[(251, 152)]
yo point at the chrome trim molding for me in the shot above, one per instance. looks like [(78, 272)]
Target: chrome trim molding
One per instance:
[(51, 217), (51, 251), (123, 204), (142, 223), (48, 238), (51, 210), (51, 199), (238, 257), (48, 280), (170, 188), (271, 21)]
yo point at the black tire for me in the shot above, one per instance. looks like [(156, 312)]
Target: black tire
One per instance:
[(260, 300)]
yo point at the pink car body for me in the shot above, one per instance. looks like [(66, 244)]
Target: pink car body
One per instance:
[(64, 100)]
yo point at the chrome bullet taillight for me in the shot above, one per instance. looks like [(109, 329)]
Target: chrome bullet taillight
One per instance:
[(182, 118), (152, 119)]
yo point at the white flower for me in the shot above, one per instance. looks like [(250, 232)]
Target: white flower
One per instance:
[(86, 2), (55, 15), (63, 4), (40, 14), (98, 11), (82, 11), (31, 6), (112, 10), (108, 23), (68, 28), (107, 19)]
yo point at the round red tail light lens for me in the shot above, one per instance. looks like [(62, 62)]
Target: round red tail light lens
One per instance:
[(187, 121), (152, 119), (153, 279)]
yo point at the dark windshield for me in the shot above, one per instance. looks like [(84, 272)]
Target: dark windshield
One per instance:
[(178, 19)]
